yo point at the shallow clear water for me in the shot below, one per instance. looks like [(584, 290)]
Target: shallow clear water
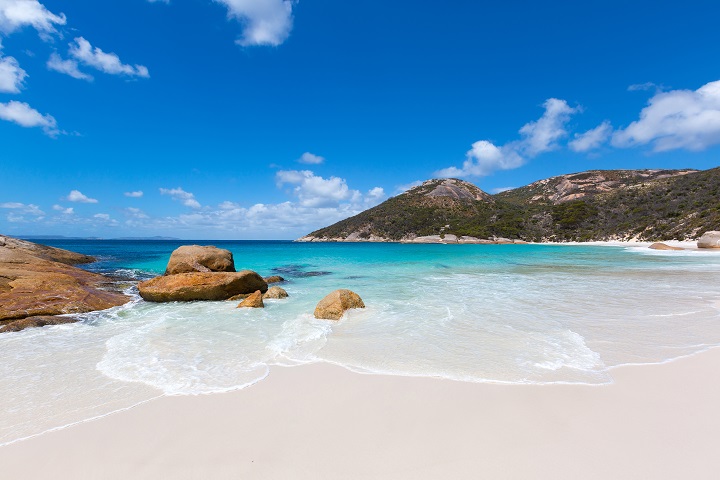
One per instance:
[(478, 313)]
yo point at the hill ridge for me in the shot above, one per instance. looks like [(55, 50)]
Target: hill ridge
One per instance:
[(647, 204)]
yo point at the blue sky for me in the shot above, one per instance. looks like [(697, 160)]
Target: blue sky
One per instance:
[(268, 118)]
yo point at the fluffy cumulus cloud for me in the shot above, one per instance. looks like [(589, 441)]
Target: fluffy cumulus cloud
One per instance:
[(78, 196), (180, 195), (537, 137), (136, 194), (82, 51), (68, 67), (265, 22), (313, 190), (311, 159), (592, 139), (24, 115), (11, 75), (15, 14), (676, 119), (542, 135)]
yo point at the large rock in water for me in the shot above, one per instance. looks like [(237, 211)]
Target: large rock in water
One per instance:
[(196, 258), (254, 300), (276, 293), (333, 306), (33, 322), (185, 287), (663, 246), (274, 279), (709, 240)]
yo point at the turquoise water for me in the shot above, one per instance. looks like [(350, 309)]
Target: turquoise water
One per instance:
[(517, 314)]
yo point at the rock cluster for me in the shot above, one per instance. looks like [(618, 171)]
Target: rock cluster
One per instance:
[(201, 273), (38, 281)]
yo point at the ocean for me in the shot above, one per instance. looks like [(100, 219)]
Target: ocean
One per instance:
[(510, 314)]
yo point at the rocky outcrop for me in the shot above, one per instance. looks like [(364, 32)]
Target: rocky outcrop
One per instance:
[(254, 300), (663, 246), (275, 293), (196, 258), (456, 189), (32, 322), (709, 240), (184, 287), (475, 240), (334, 305), (44, 252), (274, 279), (36, 280), (577, 186)]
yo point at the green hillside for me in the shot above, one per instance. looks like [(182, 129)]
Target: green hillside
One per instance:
[(593, 205)]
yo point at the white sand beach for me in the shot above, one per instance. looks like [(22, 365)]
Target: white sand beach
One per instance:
[(321, 422)]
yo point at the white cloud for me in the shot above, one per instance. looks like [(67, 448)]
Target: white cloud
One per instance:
[(23, 208), (542, 136), (137, 194), (187, 198), (536, 137), (66, 211), (677, 119), (484, 158), (11, 75), (68, 67), (313, 190), (229, 219), (311, 159), (77, 196), (265, 22), (26, 116), (15, 14), (376, 194), (110, 63), (592, 139)]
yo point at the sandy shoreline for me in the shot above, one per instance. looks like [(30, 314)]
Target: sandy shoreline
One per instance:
[(322, 421)]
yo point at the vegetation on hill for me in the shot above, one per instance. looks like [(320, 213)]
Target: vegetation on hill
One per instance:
[(594, 205)]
